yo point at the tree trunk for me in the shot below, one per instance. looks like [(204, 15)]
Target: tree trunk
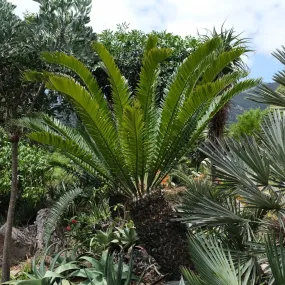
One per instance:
[(164, 239), (11, 211), (216, 131)]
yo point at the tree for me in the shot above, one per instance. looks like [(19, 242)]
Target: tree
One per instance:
[(231, 40), (138, 143), (40, 178), (59, 26), (248, 123)]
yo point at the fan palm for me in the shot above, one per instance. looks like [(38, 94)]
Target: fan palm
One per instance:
[(265, 94), (134, 144), (249, 202), (217, 266), (250, 199)]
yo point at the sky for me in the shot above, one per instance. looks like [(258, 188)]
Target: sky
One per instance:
[(263, 21)]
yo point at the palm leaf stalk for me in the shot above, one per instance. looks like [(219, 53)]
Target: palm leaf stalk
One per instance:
[(135, 145)]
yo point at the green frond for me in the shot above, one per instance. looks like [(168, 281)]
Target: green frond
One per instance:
[(69, 146), (35, 76), (76, 66), (146, 91), (174, 99), (204, 94), (151, 43), (219, 102), (98, 124), (58, 210), (83, 72), (119, 85), (235, 165), (185, 125), (179, 84), (280, 55), (146, 96), (132, 143), (273, 141), (218, 64)]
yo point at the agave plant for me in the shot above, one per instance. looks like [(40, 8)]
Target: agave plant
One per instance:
[(135, 143), (65, 268)]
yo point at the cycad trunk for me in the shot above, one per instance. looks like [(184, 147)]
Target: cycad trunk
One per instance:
[(11, 211), (164, 239)]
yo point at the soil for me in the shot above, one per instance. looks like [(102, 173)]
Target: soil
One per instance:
[(164, 239)]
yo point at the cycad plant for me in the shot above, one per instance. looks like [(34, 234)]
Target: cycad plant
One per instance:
[(135, 144), (137, 141)]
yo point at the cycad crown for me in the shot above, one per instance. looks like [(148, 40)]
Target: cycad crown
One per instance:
[(137, 142)]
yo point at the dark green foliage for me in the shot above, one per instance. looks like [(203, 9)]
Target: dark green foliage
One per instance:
[(38, 171)]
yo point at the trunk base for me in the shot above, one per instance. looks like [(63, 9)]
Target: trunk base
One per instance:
[(164, 239)]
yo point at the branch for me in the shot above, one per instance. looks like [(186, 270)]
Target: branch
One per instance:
[(41, 88)]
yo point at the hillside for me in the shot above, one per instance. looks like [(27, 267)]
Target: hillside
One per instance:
[(239, 103)]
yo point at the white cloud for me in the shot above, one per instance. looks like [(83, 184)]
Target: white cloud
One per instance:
[(261, 20), (25, 5)]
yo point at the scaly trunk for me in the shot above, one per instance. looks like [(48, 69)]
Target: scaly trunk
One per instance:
[(11, 211), (163, 239)]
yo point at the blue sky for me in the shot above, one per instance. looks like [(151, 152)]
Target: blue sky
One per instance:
[(261, 20)]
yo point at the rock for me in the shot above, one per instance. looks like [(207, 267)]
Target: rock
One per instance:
[(21, 245), (27, 240), (40, 225)]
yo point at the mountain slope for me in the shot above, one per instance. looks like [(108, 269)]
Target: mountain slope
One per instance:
[(239, 103)]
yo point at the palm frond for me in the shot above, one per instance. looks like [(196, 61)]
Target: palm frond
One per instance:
[(199, 209), (58, 210), (266, 95), (119, 85), (132, 143), (191, 278), (276, 258), (220, 62), (211, 262), (273, 141), (237, 166)]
